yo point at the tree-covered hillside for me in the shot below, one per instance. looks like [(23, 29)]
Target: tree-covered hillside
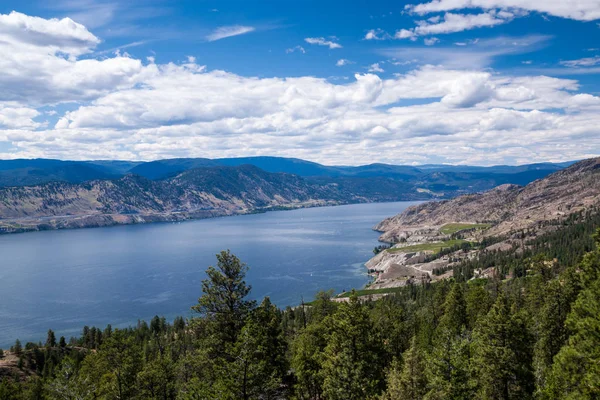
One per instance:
[(529, 332)]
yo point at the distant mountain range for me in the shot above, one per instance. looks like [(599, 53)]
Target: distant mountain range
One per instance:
[(49, 194), (23, 172)]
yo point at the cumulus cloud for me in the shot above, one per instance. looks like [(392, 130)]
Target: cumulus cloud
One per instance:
[(123, 108), (375, 68), (377, 34), (582, 10), (47, 36), (40, 63), (431, 41), (223, 32), (342, 61), (323, 42)]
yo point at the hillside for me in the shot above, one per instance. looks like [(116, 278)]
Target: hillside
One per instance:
[(197, 193), (437, 240), (507, 207), (389, 181)]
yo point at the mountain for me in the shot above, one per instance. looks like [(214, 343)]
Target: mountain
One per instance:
[(46, 194), (508, 207), (448, 180), (471, 235), (197, 193), (163, 169), (33, 172), (25, 172)]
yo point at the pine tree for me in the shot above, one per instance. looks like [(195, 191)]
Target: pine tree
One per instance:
[(448, 367), (307, 361), (409, 381), (17, 348), (454, 319), (259, 365), (502, 359), (51, 339), (223, 304), (552, 331), (576, 369), (353, 357)]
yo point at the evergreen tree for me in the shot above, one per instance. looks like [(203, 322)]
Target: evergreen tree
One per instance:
[(17, 348), (259, 365), (407, 382), (552, 331), (353, 356), (502, 359), (307, 361), (448, 367), (51, 339), (455, 318), (223, 304), (576, 369)]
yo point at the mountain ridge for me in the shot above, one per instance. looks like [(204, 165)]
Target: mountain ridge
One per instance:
[(507, 207)]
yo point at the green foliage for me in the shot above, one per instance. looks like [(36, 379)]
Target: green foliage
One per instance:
[(501, 354), (223, 304), (532, 336), (409, 381), (576, 369), (352, 365)]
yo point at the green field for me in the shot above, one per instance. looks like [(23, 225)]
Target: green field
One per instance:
[(367, 292), (449, 229), (435, 247)]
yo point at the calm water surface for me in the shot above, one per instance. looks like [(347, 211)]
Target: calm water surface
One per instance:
[(67, 279)]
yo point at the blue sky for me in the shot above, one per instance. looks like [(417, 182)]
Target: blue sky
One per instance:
[(452, 81)]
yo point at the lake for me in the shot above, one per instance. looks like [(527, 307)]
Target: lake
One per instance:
[(66, 279)]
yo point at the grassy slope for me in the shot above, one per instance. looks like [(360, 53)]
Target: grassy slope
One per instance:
[(435, 247), (449, 229)]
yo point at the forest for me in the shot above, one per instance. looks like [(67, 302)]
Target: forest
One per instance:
[(530, 332)]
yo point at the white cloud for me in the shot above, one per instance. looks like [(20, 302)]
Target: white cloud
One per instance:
[(323, 42), (405, 34), (479, 54), (431, 41), (123, 108), (46, 35), (40, 65), (18, 117), (582, 10), (375, 68), (342, 61), (582, 62), (377, 34), (294, 49), (452, 23), (223, 32)]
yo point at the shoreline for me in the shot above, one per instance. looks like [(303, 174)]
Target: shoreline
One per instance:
[(11, 226)]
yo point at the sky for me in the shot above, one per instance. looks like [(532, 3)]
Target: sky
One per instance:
[(478, 82)]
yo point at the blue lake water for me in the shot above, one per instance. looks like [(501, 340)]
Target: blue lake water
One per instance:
[(67, 279)]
